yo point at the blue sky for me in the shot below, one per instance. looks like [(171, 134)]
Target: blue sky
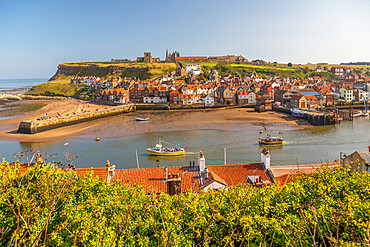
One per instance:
[(37, 35)]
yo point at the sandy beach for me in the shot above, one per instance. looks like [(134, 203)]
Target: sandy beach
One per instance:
[(125, 124)]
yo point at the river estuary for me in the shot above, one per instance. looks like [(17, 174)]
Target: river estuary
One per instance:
[(310, 145)]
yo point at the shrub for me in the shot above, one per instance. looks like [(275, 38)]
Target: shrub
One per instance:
[(55, 207)]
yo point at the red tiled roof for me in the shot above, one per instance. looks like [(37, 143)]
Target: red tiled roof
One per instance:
[(153, 178), (100, 173), (310, 97)]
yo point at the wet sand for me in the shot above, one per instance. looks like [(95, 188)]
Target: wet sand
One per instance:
[(160, 121)]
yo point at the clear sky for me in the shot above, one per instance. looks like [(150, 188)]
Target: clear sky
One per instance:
[(37, 35)]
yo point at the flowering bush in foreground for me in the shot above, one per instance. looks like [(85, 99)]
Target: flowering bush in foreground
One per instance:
[(49, 206)]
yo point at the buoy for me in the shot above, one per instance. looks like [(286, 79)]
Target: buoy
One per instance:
[(97, 139)]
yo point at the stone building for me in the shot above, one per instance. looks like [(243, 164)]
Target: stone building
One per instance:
[(171, 57), (148, 58), (357, 161)]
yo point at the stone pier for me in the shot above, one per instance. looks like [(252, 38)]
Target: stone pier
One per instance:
[(36, 126)]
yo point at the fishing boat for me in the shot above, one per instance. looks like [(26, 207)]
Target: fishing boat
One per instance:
[(141, 119), (159, 150), (271, 140), (297, 113)]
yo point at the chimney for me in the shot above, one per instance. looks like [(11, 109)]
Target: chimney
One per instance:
[(110, 171), (173, 184), (265, 158), (201, 162), (166, 175)]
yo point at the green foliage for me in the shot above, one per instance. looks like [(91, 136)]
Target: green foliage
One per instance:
[(289, 64), (266, 71), (54, 207)]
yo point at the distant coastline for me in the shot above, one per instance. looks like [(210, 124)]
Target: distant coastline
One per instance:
[(7, 85)]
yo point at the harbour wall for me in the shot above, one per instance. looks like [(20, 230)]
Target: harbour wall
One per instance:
[(314, 118), (36, 126)]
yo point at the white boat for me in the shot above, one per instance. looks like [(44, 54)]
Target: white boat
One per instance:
[(159, 150), (358, 114), (297, 113), (141, 119)]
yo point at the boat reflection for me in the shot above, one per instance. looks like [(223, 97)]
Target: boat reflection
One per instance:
[(271, 147), (155, 158)]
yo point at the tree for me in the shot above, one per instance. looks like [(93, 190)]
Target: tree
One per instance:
[(289, 64)]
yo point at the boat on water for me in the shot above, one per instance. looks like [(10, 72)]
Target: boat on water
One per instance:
[(271, 140), (297, 113), (358, 114), (159, 150), (141, 119)]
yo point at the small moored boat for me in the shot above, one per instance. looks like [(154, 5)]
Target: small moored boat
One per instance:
[(141, 119), (358, 114), (271, 140), (297, 113), (159, 150)]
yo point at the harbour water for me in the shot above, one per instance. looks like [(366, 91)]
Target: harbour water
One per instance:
[(19, 84), (311, 145)]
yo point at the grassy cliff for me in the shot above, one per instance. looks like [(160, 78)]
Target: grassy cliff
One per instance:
[(59, 84), (144, 71)]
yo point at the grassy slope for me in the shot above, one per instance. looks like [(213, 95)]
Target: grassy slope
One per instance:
[(265, 71), (260, 67), (312, 66), (60, 87)]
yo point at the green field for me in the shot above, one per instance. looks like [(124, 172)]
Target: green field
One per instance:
[(202, 63), (312, 66), (259, 67), (213, 64)]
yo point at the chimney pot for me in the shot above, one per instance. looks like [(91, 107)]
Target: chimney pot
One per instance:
[(265, 158), (201, 162)]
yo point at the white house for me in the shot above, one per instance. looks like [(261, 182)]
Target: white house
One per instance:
[(154, 100), (251, 98), (346, 94), (194, 69), (209, 100), (361, 95)]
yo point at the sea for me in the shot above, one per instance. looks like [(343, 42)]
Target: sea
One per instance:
[(7, 85)]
